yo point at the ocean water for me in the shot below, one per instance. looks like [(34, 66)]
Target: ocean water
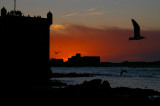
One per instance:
[(145, 78)]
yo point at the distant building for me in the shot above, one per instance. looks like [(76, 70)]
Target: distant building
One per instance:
[(83, 61), (24, 45), (56, 62)]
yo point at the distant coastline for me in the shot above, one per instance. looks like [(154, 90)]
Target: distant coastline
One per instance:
[(109, 64), (94, 61)]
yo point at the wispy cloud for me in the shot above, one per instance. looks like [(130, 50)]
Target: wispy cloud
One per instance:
[(92, 9), (72, 14), (93, 14), (89, 12), (59, 27)]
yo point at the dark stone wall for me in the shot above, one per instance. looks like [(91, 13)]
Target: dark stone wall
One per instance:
[(24, 47)]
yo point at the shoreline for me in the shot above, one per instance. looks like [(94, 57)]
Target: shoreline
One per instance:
[(89, 92), (142, 64)]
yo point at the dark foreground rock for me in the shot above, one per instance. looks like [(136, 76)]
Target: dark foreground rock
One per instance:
[(94, 92)]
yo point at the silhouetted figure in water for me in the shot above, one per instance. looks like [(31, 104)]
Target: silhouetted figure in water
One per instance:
[(137, 35), (123, 71)]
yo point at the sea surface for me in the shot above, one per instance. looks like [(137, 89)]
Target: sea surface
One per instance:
[(145, 78)]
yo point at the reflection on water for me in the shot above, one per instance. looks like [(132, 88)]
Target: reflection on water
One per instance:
[(146, 78)]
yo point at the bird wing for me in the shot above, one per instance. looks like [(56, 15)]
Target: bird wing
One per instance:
[(136, 28)]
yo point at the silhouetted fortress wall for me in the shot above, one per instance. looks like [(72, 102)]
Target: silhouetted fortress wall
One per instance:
[(24, 44)]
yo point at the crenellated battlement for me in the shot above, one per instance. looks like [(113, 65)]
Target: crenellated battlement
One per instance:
[(18, 18), (24, 20)]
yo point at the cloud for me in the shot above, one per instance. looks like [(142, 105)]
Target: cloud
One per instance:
[(72, 14), (93, 14), (89, 12), (92, 9), (59, 27)]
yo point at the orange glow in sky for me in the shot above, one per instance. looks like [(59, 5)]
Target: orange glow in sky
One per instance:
[(111, 44), (98, 27)]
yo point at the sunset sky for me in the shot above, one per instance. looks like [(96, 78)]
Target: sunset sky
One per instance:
[(98, 27)]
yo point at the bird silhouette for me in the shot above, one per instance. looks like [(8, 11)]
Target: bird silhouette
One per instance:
[(57, 52), (137, 35)]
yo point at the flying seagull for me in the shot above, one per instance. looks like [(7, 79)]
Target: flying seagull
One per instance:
[(57, 52), (137, 35)]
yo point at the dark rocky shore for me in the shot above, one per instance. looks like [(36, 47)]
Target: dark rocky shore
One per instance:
[(94, 92)]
